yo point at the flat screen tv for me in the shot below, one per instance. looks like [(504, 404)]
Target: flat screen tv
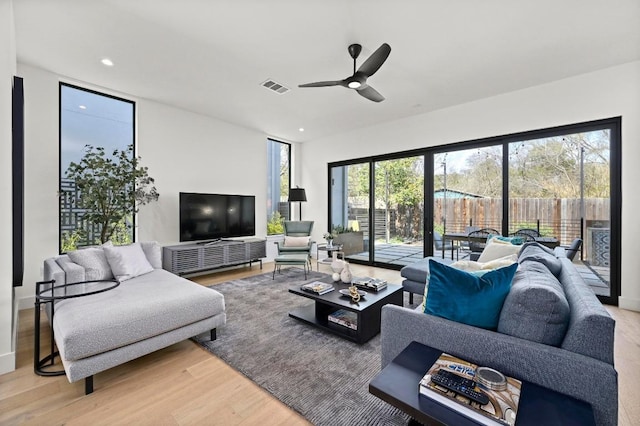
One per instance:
[(205, 217)]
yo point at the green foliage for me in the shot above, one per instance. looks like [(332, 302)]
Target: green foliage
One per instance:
[(275, 225), (70, 240), (111, 188), (339, 229)]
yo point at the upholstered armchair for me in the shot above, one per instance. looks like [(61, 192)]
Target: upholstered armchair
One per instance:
[(297, 238)]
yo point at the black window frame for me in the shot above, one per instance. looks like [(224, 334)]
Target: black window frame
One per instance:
[(134, 134)]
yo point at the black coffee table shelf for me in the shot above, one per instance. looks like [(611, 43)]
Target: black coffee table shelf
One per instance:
[(397, 384), (367, 310)]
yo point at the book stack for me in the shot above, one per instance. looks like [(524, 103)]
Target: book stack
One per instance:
[(503, 404), (344, 318), (367, 283), (318, 288)]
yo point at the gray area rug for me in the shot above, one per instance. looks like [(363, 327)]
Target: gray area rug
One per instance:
[(321, 376)]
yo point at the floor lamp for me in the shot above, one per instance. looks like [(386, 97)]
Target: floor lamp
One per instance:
[(298, 194)]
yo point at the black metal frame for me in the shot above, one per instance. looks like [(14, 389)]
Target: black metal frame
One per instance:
[(95, 92)]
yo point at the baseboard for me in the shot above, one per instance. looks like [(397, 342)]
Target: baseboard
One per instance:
[(26, 302), (629, 304), (7, 362)]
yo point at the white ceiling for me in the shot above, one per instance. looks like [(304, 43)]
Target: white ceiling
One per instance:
[(210, 56)]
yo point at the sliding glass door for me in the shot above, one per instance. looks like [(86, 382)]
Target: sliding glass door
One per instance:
[(560, 187), (467, 197), (398, 217), (349, 209)]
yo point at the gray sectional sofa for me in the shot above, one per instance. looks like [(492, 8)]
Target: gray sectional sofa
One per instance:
[(146, 312), (553, 331)]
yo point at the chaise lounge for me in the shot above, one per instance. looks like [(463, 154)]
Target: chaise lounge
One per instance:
[(146, 312)]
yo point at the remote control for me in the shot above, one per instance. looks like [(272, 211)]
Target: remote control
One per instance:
[(460, 385)]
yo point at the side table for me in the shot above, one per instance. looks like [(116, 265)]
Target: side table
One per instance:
[(337, 248), (48, 293), (398, 384)]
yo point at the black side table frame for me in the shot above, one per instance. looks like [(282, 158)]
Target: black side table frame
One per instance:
[(46, 293)]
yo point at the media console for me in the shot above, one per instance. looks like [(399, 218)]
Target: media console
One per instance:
[(197, 257)]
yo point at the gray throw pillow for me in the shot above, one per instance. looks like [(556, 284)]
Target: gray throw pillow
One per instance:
[(536, 308), (94, 261), (127, 261), (534, 252)]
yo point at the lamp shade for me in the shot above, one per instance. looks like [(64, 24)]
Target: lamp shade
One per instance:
[(297, 194)]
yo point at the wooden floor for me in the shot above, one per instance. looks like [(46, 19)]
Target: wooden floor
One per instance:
[(186, 385)]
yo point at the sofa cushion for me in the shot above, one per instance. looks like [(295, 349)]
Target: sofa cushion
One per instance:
[(496, 249), (535, 252), (139, 308), (127, 261), (536, 308), (466, 297), (94, 261)]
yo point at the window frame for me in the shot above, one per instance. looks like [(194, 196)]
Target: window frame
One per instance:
[(134, 132)]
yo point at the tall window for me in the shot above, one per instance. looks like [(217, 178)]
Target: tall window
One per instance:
[(278, 184), (90, 120)]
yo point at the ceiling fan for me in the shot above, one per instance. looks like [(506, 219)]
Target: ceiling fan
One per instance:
[(358, 81)]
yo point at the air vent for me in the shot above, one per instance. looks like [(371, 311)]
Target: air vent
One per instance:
[(274, 86)]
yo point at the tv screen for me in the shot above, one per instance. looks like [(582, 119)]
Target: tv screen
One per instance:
[(215, 216)]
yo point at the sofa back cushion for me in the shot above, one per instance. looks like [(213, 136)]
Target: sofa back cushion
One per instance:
[(535, 252), (536, 308)]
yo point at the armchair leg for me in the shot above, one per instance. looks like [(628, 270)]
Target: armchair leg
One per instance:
[(213, 334), (410, 298)]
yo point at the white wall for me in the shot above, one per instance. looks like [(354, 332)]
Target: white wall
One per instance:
[(193, 153), (7, 71), (184, 152), (603, 94)]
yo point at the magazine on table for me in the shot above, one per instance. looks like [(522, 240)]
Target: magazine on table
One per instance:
[(368, 283), (503, 404), (346, 318), (318, 287)]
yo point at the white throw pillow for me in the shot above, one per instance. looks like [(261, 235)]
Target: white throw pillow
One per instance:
[(127, 261), (94, 261), (153, 252), (296, 241), (495, 250)]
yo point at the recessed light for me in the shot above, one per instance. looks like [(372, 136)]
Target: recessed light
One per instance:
[(301, 129), (82, 107), (106, 61)]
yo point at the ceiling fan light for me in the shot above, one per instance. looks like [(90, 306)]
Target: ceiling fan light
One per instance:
[(354, 84)]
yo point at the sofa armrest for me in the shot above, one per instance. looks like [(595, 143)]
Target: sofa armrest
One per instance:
[(582, 377)]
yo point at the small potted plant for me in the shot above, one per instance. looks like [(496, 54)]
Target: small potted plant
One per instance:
[(329, 236)]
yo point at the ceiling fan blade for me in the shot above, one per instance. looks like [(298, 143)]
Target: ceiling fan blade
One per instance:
[(322, 84), (371, 94), (375, 61)]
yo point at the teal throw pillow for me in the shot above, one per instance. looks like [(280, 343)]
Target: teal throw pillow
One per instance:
[(468, 298), (515, 240)]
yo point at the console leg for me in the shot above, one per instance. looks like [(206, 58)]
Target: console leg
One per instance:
[(88, 385), (213, 334)]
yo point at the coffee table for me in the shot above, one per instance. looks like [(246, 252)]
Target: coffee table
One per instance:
[(367, 310), (398, 385)]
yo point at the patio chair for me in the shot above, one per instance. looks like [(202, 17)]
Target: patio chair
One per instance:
[(572, 249), (527, 233), (477, 247), (449, 245)]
